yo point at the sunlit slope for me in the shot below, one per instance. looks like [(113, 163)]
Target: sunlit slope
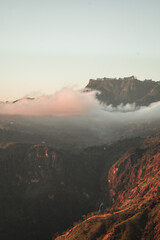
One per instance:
[(134, 183), (45, 190)]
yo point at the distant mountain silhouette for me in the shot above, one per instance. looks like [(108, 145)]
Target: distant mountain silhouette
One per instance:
[(125, 90), (21, 99)]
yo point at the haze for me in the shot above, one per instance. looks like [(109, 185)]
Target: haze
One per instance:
[(47, 45), (72, 118)]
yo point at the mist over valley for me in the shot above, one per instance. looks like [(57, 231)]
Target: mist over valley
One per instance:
[(76, 153)]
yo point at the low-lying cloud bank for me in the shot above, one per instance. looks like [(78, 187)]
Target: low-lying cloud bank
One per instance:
[(69, 102), (66, 102), (131, 111), (74, 117), (129, 107)]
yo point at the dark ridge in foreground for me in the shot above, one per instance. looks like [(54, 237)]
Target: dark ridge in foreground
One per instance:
[(125, 90), (44, 190), (134, 186)]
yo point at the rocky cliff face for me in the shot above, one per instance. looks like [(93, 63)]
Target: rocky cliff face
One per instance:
[(136, 174), (134, 188), (44, 190), (125, 90)]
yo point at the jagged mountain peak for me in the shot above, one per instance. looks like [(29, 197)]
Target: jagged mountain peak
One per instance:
[(125, 90)]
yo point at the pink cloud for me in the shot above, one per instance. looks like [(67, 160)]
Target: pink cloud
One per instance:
[(62, 103)]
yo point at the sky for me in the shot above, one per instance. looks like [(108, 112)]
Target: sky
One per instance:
[(46, 45)]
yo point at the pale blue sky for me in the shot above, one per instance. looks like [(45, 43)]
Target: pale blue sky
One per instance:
[(49, 44)]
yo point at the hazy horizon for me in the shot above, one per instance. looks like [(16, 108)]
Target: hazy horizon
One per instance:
[(48, 45)]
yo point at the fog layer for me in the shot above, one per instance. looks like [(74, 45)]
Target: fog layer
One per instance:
[(63, 103), (77, 119)]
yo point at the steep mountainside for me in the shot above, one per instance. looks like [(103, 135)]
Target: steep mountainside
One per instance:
[(134, 185), (125, 90), (44, 190), (38, 185)]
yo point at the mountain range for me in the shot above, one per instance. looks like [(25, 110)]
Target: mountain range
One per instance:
[(113, 91), (73, 178), (125, 90)]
